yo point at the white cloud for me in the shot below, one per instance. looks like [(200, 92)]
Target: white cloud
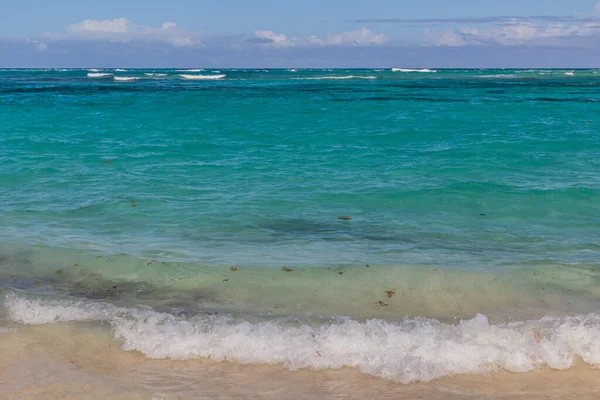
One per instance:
[(517, 33), (275, 39), (451, 39), (183, 41), (123, 30), (168, 25), (315, 41), (38, 45), (117, 25), (360, 37)]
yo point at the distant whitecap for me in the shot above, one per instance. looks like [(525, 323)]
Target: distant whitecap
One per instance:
[(424, 70), (343, 77), (126, 78), (202, 77), (98, 74)]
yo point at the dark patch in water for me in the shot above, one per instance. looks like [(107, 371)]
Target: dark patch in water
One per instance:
[(333, 231), (404, 98), (301, 227), (133, 293), (567, 100)]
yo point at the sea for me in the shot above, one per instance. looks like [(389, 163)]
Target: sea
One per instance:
[(354, 228)]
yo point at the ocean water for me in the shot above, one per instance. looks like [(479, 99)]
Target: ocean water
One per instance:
[(410, 224)]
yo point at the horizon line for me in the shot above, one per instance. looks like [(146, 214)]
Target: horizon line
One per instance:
[(298, 68)]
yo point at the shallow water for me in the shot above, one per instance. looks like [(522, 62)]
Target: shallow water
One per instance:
[(412, 225)]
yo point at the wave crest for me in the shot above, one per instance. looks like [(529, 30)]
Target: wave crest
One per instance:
[(409, 350), (334, 77), (202, 77), (126, 78), (413, 70), (98, 74)]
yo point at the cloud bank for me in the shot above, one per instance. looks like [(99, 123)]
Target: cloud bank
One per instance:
[(483, 20), (505, 30), (124, 30), (359, 37), (538, 40), (521, 33)]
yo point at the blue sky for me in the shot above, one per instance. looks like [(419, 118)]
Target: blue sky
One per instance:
[(325, 33)]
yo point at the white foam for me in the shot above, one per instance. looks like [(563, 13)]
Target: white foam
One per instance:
[(201, 77), (94, 70), (190, 70), (425, 70), (409, 350), (321, 78), (570, 73), (98, 74), (154, 74), (126, 78), (499, 76), (121, 70)]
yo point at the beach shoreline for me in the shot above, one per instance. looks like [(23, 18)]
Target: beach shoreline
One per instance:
[(56, 361)]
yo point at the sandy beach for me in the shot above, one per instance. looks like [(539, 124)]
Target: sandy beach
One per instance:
[(59, 361)]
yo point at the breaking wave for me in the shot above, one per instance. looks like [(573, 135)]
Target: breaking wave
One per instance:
[(412, 70), (98, 74), (126, 78), (408, 350), (321, 78), (202, 77)]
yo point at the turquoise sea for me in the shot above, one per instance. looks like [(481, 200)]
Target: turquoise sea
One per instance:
[(411, 224)]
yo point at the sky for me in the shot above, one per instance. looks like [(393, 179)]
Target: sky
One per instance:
[(300, 33)]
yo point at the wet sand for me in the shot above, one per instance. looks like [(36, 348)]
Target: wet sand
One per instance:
[(80, 361)]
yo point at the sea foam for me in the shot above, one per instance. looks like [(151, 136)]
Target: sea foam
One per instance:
[(126, 78), (408, 350), (98, 74), (202, 77), (412, 70), (342, 77)]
